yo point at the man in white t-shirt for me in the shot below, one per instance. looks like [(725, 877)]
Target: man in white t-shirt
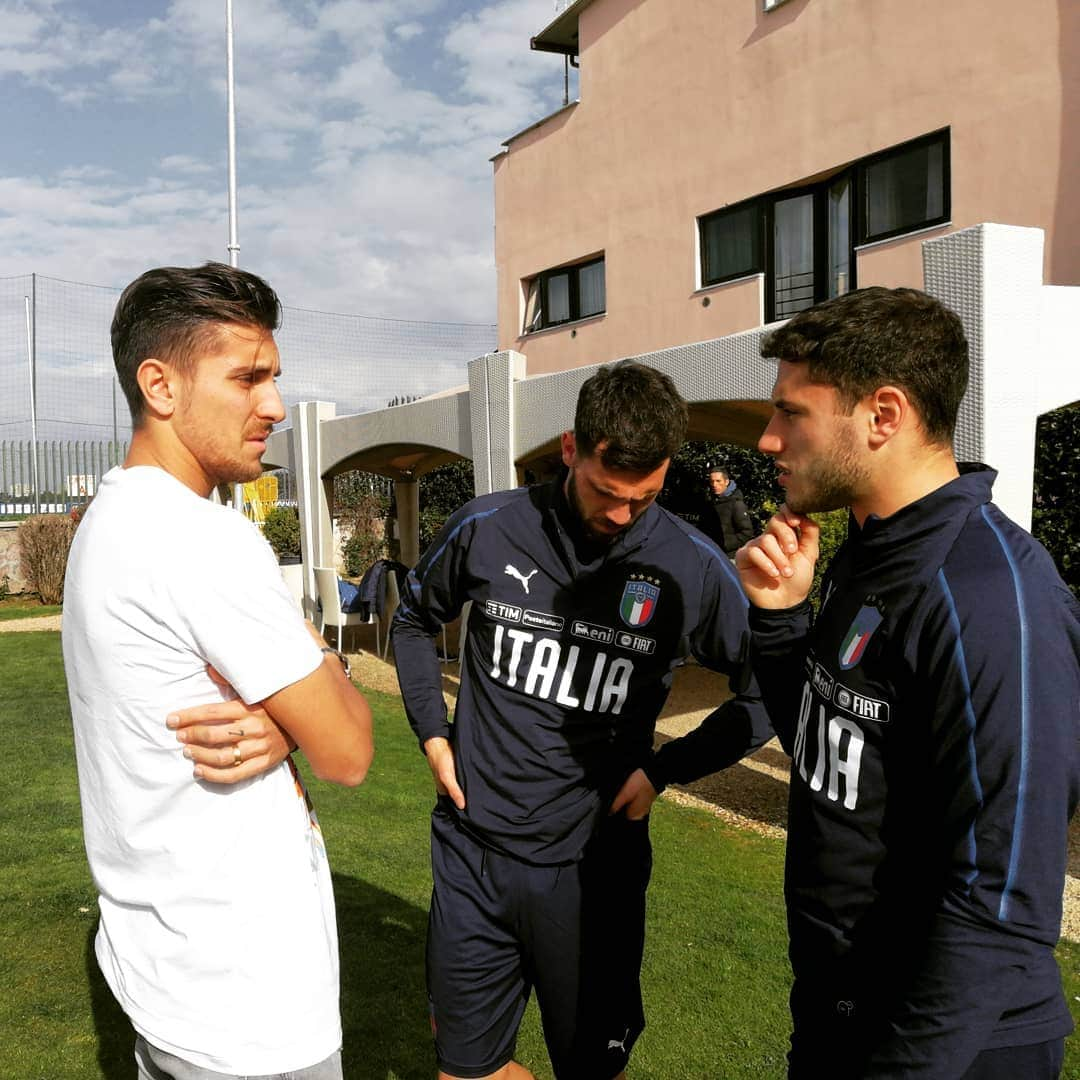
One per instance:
[(217, 931)]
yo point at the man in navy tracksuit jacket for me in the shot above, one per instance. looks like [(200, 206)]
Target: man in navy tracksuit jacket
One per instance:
[(930, 711), (584, 595)]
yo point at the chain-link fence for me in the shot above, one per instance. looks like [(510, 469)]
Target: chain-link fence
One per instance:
[(57, 384)]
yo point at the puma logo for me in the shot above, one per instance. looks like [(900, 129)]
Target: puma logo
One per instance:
[(514, 572), (619, 1044)]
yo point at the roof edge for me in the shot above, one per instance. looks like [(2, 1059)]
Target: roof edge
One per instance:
[(561, 34)]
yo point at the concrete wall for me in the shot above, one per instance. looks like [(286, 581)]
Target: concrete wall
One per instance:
[(690, 105)]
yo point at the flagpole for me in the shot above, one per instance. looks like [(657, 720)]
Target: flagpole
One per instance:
[(234, 242)]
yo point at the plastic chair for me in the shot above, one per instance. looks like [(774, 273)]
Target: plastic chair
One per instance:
[(326, 584)]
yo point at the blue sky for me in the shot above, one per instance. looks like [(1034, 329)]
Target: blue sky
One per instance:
[(364, 133)]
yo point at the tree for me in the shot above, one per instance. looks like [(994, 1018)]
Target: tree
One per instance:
[(442, 491), (362, 506)]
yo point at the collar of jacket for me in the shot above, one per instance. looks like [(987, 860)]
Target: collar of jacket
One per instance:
[(942, 511)]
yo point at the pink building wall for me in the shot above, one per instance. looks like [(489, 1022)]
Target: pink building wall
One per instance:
[(687, 106)]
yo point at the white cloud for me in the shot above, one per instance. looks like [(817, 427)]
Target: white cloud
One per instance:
[(364, 176), (184, 165)]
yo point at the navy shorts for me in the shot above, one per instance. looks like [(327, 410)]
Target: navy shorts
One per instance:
[(499, 927)]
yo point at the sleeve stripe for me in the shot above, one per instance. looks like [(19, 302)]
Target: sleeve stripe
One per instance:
[(1025, 661), (969, 716), (417, 582), (729, 569)]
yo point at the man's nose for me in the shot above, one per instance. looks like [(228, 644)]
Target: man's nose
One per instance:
[(619, 515), (271, 407), (769, 443)]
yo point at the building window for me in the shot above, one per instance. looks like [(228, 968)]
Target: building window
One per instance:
[(804, 239), (731, 243), (565, 294), (905, 189)]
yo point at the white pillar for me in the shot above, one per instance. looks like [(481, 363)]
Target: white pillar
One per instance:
[(316, 528), (991, 276), (492, 420)]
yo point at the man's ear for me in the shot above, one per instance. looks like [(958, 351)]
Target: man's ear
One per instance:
[(569, 448), (156, 380), (889, 411)]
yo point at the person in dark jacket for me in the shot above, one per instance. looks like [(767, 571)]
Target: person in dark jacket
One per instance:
[(930, 710), (585, 596), (724, 516)]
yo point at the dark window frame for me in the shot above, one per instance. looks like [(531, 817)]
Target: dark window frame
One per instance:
[(757, 258), (860, 168), (857, 234), (572, 271)]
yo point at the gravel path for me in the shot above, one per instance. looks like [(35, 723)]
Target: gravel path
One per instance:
[(40, 622), (751, 795)]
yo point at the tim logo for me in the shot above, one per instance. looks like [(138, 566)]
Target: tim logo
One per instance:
[(859, 634), (639, 599), (498, 610)]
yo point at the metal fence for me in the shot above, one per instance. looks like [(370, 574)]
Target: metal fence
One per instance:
[(58, 387), (55, 479)]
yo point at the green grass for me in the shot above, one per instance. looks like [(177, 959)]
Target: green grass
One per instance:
[(715, 978), (26, 609)]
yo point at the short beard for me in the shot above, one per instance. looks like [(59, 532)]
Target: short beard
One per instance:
[(579, 513), (833, 482)]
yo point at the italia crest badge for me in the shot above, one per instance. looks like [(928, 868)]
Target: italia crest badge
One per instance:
[(639, 599), (860, 632)]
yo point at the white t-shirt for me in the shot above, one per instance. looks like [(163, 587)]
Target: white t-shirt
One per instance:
[(217, 933)]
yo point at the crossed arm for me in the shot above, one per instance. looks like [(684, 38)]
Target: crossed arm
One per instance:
[(323, 714)]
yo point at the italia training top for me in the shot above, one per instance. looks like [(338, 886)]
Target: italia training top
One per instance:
[(567, 662), (931, 714)]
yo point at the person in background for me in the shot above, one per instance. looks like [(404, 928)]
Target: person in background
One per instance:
[(217, 932), (724, 517)]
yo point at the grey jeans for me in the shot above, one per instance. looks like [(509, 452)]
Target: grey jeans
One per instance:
[(155, 1064)]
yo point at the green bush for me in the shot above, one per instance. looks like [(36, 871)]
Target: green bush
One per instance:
[(363, 522), (442, 491), (281, 527), (1054, 511), (44, 543)]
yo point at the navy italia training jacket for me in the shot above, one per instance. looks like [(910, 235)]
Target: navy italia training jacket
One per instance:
[(932, 717), (567, 662)]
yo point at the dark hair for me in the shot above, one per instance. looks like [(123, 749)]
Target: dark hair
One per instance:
[(876, 336), (636, 411), (173, 312)]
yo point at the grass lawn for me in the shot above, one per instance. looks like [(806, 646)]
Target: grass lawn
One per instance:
[(20, 608), (715, 976)]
